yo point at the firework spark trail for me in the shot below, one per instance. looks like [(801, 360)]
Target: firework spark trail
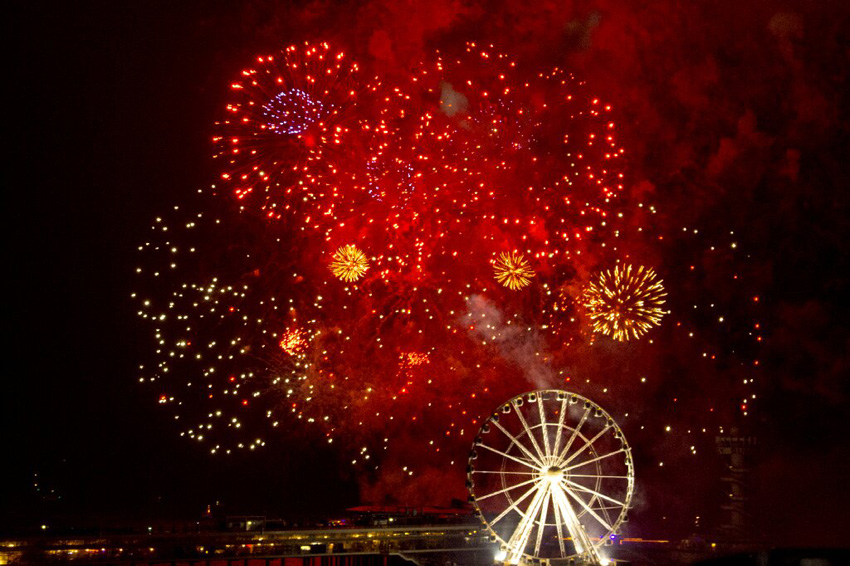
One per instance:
[(219, 310)]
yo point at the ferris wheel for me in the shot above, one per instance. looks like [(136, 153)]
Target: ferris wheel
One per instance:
[(551, 477)]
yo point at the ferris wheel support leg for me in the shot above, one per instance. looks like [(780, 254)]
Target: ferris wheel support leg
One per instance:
[(584, 546), (520, 536)]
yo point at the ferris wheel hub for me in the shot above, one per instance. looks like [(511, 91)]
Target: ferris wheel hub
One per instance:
[(553, 474)]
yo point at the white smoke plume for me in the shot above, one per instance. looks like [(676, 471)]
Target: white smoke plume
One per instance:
[(451, 101), (515, 342)]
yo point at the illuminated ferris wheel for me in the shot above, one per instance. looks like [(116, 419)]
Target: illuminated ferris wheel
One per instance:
[(551, 477)]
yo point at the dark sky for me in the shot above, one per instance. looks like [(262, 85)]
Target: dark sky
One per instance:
[(113, 117), (739, 120)]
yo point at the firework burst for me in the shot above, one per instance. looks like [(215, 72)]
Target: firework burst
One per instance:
[(287, 112), (293, 341), (626, 302), (349, 263), (513, 271)]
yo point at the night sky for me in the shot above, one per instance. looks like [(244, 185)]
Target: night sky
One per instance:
[(735, 116)]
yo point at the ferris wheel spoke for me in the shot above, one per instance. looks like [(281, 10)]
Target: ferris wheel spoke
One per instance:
[(505, 473), (596, 493), (519, 444), (586, 462), (594, 476), (586, 445), (605, 513), (529, 432), (509, 457), (561, 416), (590, 511), (507, 489), (543, 428), (541, 525), (514, 506), (609, 508), (574, 435)]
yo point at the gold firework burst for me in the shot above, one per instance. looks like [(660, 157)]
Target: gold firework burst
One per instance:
[(349, 263), (626, 302), (513, 270)]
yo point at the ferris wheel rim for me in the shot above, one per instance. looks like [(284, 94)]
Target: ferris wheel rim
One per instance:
[(540, 462)]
